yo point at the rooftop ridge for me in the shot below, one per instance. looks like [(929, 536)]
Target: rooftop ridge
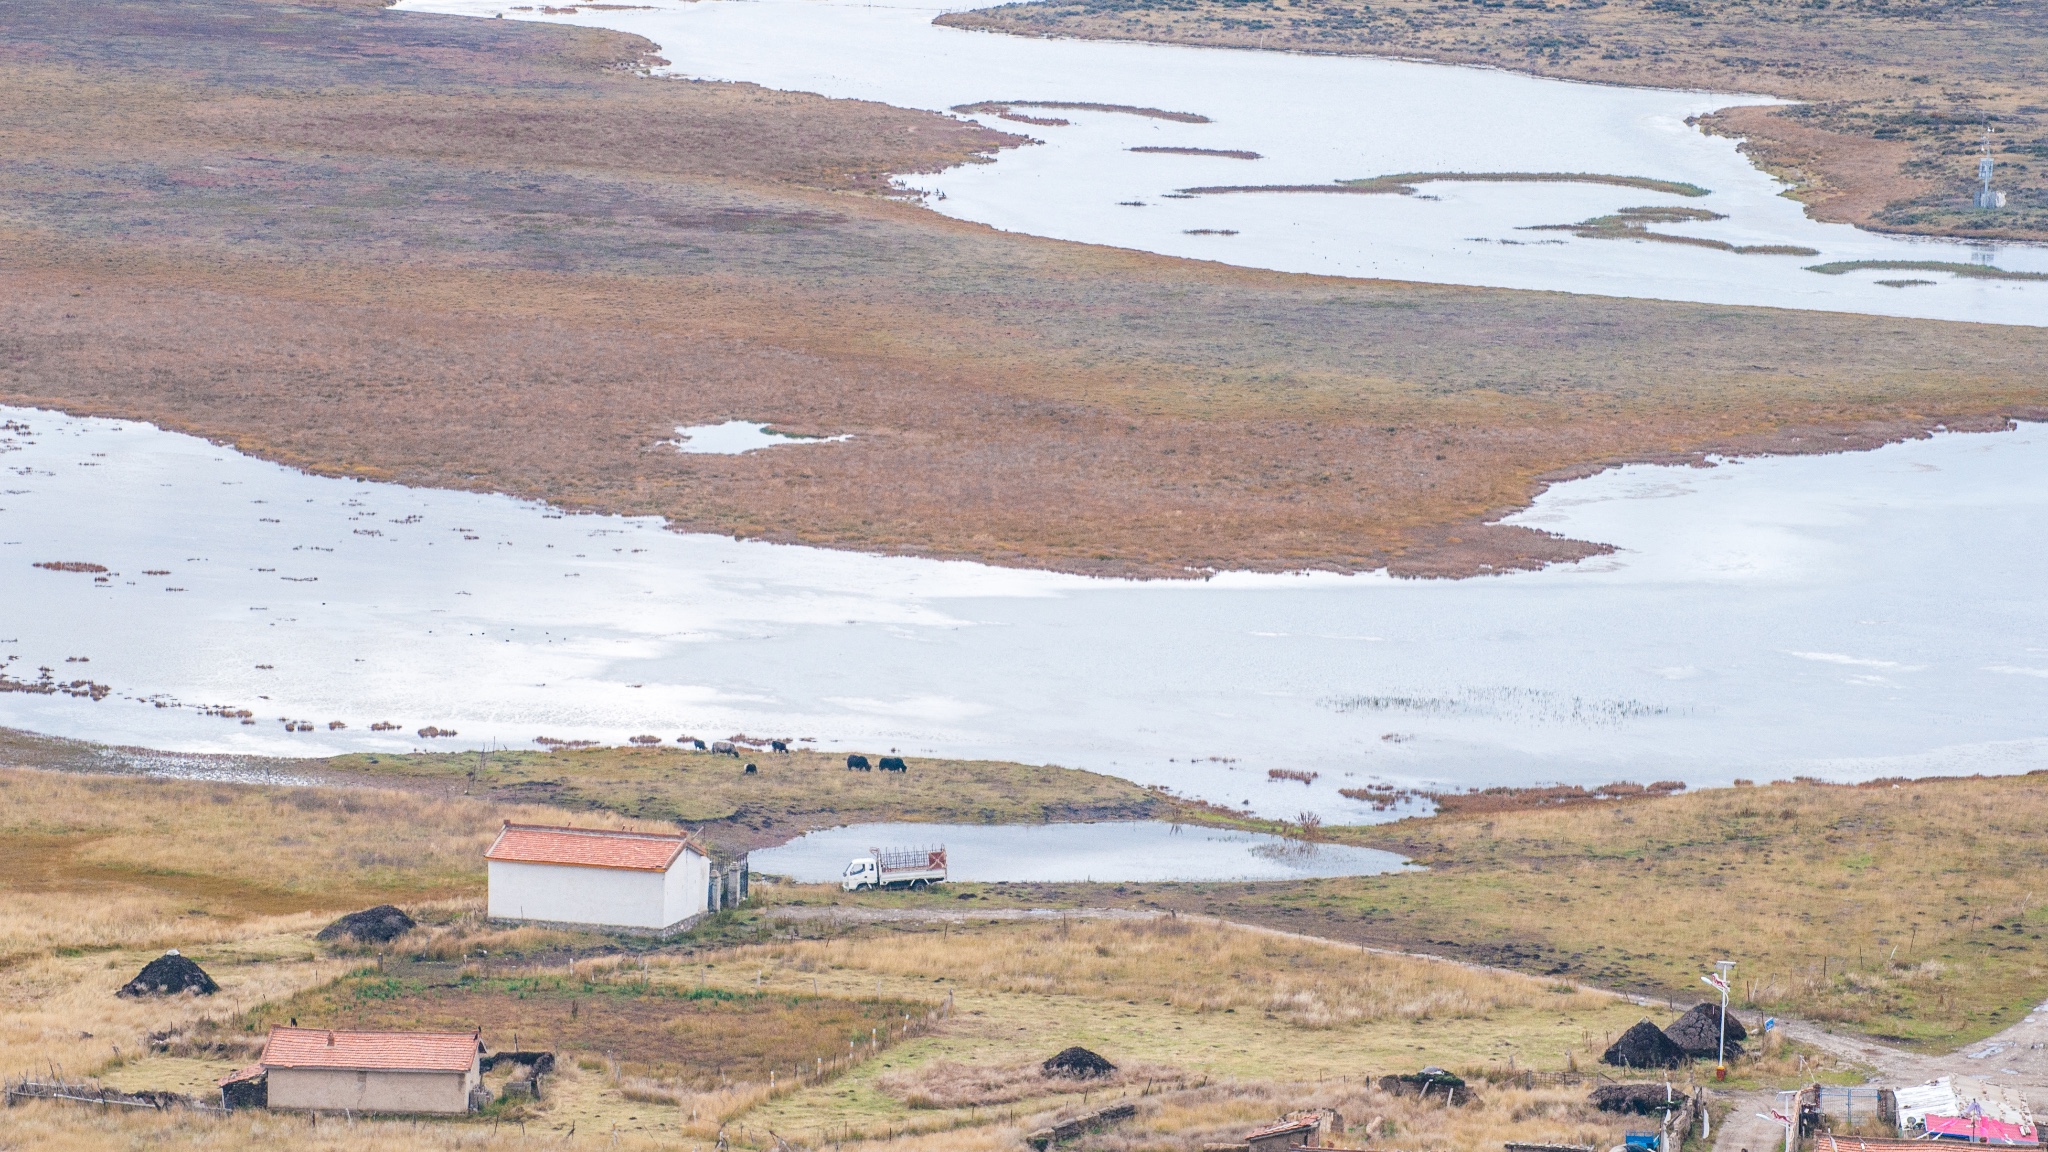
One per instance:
[(685, 837)]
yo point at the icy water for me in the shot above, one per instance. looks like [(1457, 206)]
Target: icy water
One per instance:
[(735, 437), (1068, 853), (1850, 616), (1314, 120)]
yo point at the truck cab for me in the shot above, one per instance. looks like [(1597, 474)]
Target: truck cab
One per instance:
[(864, 872)]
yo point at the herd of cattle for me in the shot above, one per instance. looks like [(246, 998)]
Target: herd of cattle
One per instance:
[(854, 762)]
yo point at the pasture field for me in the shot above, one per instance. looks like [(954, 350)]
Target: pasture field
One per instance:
[(789, 793), (488, 255), (874, 1035), (710, 794), (1896, 98), (1907, 910)]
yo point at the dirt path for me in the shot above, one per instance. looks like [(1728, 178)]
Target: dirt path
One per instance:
[(1748, 1126), (2016, 1058)]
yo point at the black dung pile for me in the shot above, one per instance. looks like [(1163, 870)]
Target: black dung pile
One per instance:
[(1644, 1046), (167, 974), (1078, 1064), (1698, 1032), (1638, 1099), (378, 925)]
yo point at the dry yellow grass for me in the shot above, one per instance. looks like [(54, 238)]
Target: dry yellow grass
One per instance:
[(169, 861), (1218, 1027), (1912, 912), (1176, 1003), (1189, 967), (59, 1013), (101, 874)]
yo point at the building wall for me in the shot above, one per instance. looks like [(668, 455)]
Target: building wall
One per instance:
[(333, 1090), (566, 894), (684, 888)]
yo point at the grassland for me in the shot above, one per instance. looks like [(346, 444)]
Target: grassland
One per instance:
[(790, 793), (683, 1039), (171, 860), (101, 874), (728, 1030), (1896, 96), (1911, 911), (486, 255)]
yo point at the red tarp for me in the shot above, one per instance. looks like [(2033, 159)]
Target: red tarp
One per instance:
[(1982, 1129)]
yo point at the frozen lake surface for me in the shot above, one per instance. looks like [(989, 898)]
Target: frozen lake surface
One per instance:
[(1314, 120), (1850, 616), (1112, 852)]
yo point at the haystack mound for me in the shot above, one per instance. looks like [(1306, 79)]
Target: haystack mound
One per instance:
[(1644, 1046), (168, 974), (378, 925), (1638, 1099), (1698, 1032), (1078, 1064)]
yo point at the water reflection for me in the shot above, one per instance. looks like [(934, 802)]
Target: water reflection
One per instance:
[(1108, 851)]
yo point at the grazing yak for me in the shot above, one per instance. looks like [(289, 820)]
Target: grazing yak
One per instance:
[(749, 771), (893, 764), (724, 748), (856, 764), (778, 745)]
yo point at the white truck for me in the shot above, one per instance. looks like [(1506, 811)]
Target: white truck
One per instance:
[(913, 868)]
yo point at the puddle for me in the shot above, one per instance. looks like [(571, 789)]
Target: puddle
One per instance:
[(1843, 616), (1121, 124), (1108, 852), (736, 436)]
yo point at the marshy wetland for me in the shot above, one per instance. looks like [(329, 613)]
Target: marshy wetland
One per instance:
[(348, 357), (1761, 617), (1482, 148)]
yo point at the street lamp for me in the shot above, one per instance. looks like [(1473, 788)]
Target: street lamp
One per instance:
[(1719, 980)]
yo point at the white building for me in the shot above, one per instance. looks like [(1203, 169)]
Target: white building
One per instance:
[(645, 880), (327, 1070)]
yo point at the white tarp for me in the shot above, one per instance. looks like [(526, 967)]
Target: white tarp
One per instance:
[(1954, 1095)]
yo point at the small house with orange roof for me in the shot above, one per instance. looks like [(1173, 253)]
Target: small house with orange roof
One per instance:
[(334, 1070), (649, 881)]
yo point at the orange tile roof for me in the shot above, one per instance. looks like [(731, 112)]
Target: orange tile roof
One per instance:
[(587, 847), (374, 1051)]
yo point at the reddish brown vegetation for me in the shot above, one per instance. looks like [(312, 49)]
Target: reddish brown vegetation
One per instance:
[(1506, 799), (1227, 153), (1002, 108), (584, 259), (1896, 95)]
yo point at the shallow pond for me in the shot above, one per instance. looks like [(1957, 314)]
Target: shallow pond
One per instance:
[(1107, 852), (1850, 616), (1312, 120), (735, 437)]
